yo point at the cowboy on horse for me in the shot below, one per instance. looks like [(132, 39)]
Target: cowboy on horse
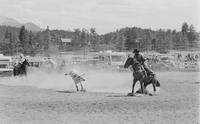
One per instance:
[(20, 67), (142, 61), (141, 72)]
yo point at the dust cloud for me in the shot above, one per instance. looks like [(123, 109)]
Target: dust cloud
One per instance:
[(101, 80), (97, 80)]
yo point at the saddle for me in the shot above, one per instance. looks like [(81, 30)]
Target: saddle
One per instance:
[(148, 74)]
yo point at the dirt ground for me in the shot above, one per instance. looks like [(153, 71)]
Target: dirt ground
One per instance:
[(176, 102)]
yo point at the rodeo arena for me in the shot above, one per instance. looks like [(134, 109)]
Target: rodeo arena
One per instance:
[(100, 87)]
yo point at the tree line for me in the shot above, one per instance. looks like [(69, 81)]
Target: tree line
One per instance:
[(20, 40)]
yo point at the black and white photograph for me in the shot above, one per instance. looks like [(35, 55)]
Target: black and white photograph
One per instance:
[(99, 62)]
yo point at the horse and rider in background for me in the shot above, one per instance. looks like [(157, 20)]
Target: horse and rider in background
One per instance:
[(141, 72), (20, 67)]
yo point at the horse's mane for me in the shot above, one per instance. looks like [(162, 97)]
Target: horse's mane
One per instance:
[(135, 61)]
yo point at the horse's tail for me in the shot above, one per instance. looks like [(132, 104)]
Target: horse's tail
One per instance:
[(157, 83)]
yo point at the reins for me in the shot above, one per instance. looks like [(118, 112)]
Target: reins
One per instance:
[(140, 70)]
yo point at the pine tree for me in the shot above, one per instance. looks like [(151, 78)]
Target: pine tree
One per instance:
[(184, 28), (11, 44), (30, 43), (6, 34), (23, 38), (47, 39)]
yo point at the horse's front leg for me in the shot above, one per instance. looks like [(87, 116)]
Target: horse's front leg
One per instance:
[(142, 86), (154, 86), (145, 85), (134, 81)]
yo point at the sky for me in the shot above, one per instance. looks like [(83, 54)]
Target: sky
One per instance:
[(104, 15)]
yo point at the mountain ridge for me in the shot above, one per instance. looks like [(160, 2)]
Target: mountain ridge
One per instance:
[(14, 23)]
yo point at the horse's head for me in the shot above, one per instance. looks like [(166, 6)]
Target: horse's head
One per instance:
[(128, 62), (131, 61)]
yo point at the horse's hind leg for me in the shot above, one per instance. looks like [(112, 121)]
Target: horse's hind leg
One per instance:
[(154, 86), (153, 82)]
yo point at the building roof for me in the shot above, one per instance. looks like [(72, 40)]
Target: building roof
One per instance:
[(66, 40), (5, 58)]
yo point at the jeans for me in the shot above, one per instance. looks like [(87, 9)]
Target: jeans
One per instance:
[(147, 69)]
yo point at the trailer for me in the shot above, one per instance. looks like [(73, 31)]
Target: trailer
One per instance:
[(6, 65)]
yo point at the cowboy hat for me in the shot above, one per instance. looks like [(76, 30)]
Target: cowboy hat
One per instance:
[(136, 51)]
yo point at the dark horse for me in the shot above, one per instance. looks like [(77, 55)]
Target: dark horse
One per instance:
[(21, 68), (140, 74)]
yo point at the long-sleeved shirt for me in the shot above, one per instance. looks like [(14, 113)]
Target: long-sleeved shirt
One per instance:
[(140, 58)]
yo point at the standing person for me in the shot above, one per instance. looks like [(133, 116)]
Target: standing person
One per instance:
[(52, 63), (24, 63), (196, 57), (21, 58), (179, 56), (21, 67), (142, 61)]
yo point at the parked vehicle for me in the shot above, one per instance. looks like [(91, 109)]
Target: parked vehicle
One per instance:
[(6, 67)]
